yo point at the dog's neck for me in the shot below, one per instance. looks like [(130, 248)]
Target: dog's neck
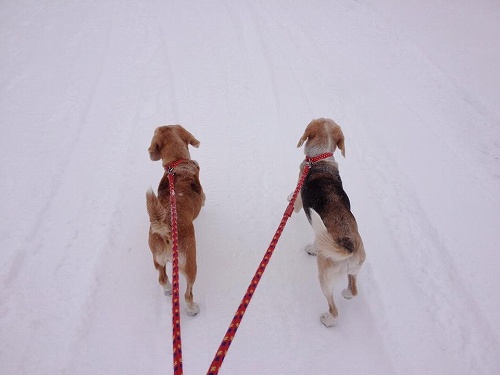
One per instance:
[(170, 166), (316, 158), (166, 161), (174, 153)]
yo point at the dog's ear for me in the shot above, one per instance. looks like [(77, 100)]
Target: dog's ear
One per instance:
[(154, 149), (189, 138), (194, 142), (304, 138), (338, 136)]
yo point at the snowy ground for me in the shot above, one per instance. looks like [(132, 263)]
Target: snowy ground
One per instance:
[(416, 89)]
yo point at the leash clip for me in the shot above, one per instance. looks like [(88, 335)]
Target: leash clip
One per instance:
[(169, 169)]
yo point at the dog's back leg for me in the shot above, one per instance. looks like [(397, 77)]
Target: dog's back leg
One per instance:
[(329, 272), (163, 278), (188, 267), (352, 289), (354, 265), (160, 248), (192, 307)]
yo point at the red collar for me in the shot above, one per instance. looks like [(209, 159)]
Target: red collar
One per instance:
[(317, 158), (169, 168)]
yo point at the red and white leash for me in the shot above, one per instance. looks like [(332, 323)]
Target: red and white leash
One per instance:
[(176, 317), (235, 323)]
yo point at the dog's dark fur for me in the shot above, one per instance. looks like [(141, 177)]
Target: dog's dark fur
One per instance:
[(338, 245)]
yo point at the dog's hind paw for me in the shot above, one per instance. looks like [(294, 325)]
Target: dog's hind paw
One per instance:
[(193, 310), (347, 294), (328, 320), (167, 290), (311, 250)]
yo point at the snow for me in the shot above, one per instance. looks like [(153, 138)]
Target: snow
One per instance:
[(416, 90)]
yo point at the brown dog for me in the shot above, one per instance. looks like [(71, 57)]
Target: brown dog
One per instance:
[(337, 243), (170, 143)]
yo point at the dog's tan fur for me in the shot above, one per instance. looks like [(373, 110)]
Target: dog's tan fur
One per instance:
[(338, 245), (170, 143)]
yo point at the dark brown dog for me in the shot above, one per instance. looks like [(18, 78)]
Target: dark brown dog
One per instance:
[(337, 243), (170, 143)]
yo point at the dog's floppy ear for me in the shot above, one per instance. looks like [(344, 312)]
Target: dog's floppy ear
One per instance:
[(338, 136), (189, 138), (154, 149), (304, 138), (194, 142)]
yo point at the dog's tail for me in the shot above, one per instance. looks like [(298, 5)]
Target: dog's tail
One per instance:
[(337, 249), (157, 214)]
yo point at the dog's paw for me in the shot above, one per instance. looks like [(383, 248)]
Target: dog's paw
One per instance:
[(193, 310), (311, 250), (168, 290), (328, 320), (347, 294)]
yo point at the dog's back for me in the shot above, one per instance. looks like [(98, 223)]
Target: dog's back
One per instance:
[(324, 194), (190, 197)]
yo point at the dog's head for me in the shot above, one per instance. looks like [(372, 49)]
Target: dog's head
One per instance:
[(170, 143), (322, 135)]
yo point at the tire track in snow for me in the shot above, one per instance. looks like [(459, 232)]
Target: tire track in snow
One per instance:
[(157, 11), (456, 324), (35, 249), (267, 56), (18, 262), (116, 248), (69, 257)]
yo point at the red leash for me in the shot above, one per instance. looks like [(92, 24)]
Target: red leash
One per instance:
[(176, 317), (235, 323)]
